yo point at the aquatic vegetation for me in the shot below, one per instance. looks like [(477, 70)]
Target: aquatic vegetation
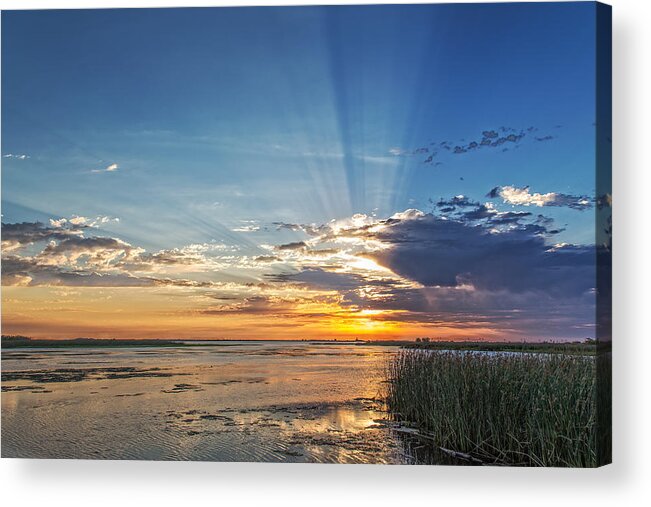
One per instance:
[(515, 408)]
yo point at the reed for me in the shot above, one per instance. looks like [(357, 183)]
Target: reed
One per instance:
[(518, 409)]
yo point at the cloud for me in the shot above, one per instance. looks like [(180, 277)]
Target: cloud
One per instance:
[(309, 229), (77, 220), (247, 226), (15, 156), (462, 208), (108, 169), (265, 305), (19, 235), (492, 138), (476, 245), (524, 197), (268, 258), (67, 254), (474, 268), (92, 251), (435, 251), (458, 200), (297, 245), (465, 264), (321, 279), (26, 271)]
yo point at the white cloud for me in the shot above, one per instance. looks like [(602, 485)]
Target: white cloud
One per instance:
[(523, 197), (247, 226), (409, 214), (108, 169), (18, 157), (80, 220)]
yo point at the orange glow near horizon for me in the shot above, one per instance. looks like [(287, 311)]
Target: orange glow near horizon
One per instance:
[(64, 312)]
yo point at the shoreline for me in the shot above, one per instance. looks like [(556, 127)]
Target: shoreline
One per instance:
[(583, 348)]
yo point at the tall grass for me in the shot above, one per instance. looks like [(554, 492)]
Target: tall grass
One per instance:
[(520, 409)]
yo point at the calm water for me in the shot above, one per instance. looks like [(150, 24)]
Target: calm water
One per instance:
[(236, 401)]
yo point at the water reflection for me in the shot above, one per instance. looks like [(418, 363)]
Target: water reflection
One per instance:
[(227, 402)]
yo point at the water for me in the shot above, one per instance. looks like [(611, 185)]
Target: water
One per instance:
[(231, 401)]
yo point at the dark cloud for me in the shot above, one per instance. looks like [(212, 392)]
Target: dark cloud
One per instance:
[(268, 258), (297, 245), (492, 138), (434, 251), (493, 193), (480, 212), (510, 217), (22, 234), (458, 200), (462, 208), (488, 139)]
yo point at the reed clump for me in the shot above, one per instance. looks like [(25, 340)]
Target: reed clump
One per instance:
[(517, 409)]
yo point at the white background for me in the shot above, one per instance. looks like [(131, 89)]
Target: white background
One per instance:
[(626, 482)]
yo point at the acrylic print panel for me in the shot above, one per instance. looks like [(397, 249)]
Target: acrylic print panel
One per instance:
[(355, 234)]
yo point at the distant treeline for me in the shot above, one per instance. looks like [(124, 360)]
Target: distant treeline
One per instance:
[(17, 341), (585, 347)]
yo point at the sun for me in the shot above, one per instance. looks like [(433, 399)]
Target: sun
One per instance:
[(364, 322)]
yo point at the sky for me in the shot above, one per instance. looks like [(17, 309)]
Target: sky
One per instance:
[(372, 172)]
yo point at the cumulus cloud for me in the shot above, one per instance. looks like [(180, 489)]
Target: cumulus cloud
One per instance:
[(19, 235), (78, 220), (477, 267), (524, 197), (469, 249), (441, 252), (464, 263), (93, 251), (68, 251), (27, 271)]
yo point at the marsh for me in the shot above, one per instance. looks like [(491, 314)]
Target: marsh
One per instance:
[(231, 401)]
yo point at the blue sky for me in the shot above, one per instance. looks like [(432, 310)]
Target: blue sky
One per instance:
[(199, 126)]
